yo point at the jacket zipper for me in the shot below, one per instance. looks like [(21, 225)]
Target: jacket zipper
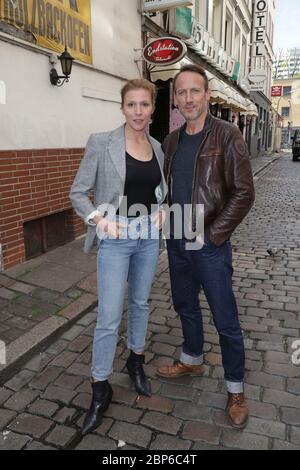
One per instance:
[(193, 184)]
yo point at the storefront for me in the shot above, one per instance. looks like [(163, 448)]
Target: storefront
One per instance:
[(262, 137), (228, 101)]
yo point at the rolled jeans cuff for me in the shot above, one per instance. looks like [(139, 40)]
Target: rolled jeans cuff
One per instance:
[(190, 360), (234, 387)]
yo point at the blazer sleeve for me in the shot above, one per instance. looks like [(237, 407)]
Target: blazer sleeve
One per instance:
[(85, 180)]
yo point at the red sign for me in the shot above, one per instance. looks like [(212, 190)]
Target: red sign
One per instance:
[(164, 51), (276, 90)]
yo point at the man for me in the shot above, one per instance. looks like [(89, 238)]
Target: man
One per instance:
[(207, 162)]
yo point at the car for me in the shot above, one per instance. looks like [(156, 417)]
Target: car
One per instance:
[(296, 145)]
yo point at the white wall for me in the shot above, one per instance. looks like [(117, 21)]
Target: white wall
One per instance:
[(39, 115)]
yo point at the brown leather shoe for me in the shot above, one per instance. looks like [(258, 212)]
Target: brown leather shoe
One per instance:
[(237, 410), (178, 369)]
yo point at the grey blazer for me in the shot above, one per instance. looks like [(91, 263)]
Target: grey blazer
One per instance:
[(103, 168)]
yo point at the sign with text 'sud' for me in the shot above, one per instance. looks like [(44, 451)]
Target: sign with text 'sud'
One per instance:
[(164, 51), (156, 5), (276, 90)]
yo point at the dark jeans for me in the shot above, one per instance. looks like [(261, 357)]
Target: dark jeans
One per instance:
[(211, 268)]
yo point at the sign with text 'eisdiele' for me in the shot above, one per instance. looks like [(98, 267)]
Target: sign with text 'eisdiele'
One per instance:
[(53, 24), (156, 5), (164, 51)]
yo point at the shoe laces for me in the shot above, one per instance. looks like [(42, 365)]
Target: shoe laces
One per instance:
[(237, 399)]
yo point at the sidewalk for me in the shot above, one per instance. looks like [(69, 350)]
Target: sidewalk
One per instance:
[(45, 296)]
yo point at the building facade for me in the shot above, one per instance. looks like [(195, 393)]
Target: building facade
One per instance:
[(217, 34), (287, 104), (261, 62), (287, 64), (44, 128)]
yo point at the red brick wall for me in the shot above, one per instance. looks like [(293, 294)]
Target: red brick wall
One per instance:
[(33, 184)]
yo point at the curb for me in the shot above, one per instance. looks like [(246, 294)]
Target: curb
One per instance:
[(255, 173), (23, 348)]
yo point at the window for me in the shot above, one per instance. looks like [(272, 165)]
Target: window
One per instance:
[(217, 19), (228, 33), (285, 112), (287, 90), (237, 42), (201, 12), (244, 57), (45, 233)]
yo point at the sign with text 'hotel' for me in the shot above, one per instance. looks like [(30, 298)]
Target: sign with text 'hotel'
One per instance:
[(156, 5), (53, 24), (260, 23)]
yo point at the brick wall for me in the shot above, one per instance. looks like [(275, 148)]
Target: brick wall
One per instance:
[(33, 184)]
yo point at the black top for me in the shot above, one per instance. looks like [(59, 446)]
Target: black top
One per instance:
[(141, 180)]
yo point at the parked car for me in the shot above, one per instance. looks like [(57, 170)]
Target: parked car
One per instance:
[(296, 145)]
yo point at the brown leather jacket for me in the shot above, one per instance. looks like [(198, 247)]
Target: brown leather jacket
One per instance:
[(222, 181)]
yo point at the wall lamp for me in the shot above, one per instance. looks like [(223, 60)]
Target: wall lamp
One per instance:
[(66, 62)]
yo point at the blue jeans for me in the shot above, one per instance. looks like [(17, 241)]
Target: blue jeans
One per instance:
[(211, 268), (130, 258)]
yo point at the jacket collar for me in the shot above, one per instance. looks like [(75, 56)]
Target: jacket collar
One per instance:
[(208, 123), (117, 149)]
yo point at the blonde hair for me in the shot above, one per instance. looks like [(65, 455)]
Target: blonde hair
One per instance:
[(139, 84)]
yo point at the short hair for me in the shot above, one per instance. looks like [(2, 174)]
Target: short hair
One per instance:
[(139, 84), (192, 68)]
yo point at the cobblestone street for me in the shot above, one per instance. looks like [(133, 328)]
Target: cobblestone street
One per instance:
[(42, 406)]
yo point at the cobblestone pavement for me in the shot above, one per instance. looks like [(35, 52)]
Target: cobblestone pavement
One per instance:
[(43, 405)]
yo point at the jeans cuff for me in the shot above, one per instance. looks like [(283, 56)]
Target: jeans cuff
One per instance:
[(191, 360), (98, 378), (234, 387), (135, 349)]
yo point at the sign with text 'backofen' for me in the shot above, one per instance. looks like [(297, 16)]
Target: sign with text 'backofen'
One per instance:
[(53, 24)]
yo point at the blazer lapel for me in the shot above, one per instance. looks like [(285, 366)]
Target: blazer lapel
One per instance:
[(117, 150)]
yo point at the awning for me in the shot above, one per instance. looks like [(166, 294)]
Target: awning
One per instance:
[(167, 72), (217, 90), (251, 109), (220, 91)]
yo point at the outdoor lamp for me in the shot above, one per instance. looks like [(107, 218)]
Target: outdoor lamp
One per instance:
[(66, 62)]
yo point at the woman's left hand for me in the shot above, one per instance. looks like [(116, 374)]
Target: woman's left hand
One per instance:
[(159, 219)]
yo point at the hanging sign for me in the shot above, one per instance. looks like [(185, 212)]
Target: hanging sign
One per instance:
[(164, 51)]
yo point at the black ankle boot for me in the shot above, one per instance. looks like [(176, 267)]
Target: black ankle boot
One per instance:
[(136, 372), (102, 395)]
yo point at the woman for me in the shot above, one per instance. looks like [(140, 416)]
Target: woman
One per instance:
[(122, 166)]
